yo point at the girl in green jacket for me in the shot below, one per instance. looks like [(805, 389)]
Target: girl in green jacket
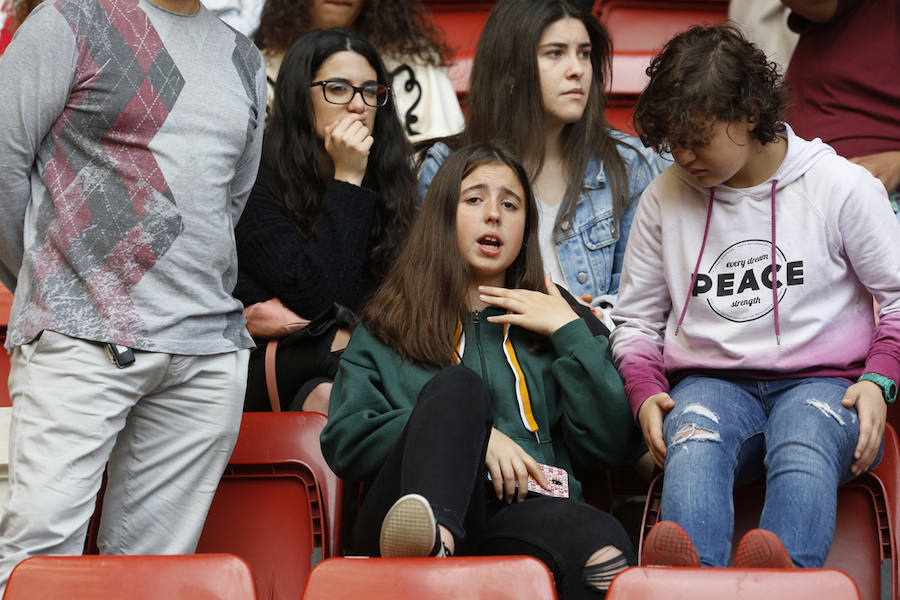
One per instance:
[(469, 381)]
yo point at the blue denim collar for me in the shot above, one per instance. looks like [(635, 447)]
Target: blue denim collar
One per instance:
[(594, 174)]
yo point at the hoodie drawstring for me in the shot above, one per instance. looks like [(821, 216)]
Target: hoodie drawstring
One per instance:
[(709, 210), (712, 197), (775, 270)]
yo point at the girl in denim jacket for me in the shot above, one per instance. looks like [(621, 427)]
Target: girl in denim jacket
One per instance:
[(538, 82)]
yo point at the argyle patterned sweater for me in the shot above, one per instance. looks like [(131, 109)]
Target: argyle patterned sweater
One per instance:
[(130, 141)]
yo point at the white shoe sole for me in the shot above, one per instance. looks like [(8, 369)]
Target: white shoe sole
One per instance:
[(408, 528)]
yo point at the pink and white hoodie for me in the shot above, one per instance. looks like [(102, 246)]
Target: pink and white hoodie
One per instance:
[(835, 244)]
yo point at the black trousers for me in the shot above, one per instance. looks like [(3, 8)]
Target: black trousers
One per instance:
[(441, 455)]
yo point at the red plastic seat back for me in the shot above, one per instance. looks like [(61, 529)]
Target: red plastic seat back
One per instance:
[(888, 472), (278, 504), (461, 23), (6, 299), (640, 583), (646, 25), (488, 577), (193, 577)]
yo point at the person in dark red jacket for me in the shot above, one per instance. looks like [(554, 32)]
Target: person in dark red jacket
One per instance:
[(844, 84)]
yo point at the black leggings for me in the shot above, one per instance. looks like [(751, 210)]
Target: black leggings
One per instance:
[(441, 455)]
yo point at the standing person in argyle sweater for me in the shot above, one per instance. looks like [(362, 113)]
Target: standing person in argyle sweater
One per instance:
[(131, 139)]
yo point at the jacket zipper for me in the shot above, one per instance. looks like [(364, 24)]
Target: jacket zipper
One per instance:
[(476, 322)]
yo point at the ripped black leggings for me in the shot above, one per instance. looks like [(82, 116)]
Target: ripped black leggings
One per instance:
[(441, 454)]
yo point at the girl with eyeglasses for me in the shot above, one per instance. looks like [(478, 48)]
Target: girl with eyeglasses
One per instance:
[(332, 203), (406, 37), (538, 85)]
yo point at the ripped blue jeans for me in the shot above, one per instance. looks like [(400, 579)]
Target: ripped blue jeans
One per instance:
[(727, 431)]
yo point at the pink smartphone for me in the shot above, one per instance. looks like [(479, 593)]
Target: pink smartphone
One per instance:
[(559, 482)]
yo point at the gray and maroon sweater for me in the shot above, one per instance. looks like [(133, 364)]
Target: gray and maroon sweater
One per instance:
[(130, 141)]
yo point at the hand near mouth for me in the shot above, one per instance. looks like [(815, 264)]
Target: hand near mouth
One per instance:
[(535, 311), (347, 142)]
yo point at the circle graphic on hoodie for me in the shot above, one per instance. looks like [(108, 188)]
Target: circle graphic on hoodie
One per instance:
[(738, 286)]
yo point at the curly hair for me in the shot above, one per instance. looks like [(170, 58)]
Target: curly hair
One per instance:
[(19, 9), (298, 161), (396, 27), (708, 74)]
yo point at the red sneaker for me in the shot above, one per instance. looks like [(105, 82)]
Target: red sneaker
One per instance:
[(668, 545), (761, 549)]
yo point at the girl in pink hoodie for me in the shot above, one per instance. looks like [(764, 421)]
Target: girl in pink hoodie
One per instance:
[(732, 372)]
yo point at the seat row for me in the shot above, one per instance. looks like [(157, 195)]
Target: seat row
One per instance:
[(227, 577), (279, 507)]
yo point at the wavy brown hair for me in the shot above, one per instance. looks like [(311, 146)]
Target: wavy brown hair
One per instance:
[(416, 309), (395, 27), (708, 74), (19, 9)]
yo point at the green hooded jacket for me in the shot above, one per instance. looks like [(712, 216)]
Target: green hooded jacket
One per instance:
[(576, 395)]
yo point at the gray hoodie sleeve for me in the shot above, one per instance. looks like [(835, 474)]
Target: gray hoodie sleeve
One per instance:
[(36, 72)]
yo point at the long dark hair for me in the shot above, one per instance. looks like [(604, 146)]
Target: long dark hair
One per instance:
[(504, 101), (396, 27), (296, 157), (708, 74), (416, 309)]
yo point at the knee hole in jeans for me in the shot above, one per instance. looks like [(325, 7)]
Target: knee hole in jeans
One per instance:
[(826, 410), (695, 433), (603, 566)]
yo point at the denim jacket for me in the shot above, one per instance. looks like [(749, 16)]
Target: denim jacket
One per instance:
[(591, 247)]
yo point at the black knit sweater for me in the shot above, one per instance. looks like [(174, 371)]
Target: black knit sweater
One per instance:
[(308, 274)]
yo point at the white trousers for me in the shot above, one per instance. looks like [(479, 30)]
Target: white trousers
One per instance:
[(166, 424)]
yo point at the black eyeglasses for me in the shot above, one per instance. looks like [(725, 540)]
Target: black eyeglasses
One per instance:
[(341, 91)]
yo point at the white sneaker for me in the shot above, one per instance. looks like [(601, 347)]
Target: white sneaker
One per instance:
[(410, 529)]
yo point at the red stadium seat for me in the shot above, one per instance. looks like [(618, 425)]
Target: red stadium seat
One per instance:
[(644, 26), (865, 538), (207, 577), (619, 112), (473, 577), (888, 473), (461, 23), (278, 505), (640, 583)]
